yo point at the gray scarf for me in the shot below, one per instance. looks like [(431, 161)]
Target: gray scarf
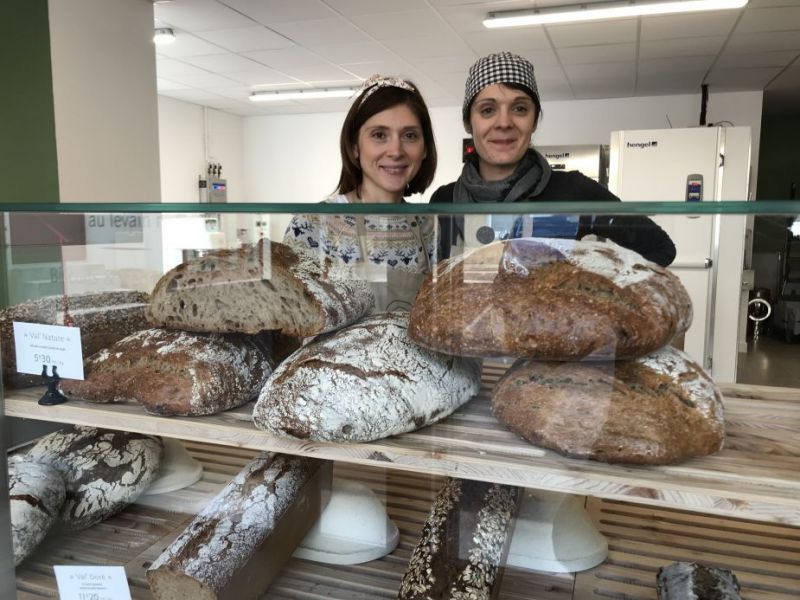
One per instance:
[(529, 178)]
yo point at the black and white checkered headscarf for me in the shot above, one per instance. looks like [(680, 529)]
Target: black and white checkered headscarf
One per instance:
[(503, 67)]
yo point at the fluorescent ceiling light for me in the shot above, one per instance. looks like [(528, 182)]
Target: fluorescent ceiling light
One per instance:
[(163, 36), (309, 94), (603, 10)]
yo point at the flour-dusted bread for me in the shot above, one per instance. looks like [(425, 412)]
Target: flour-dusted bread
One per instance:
[(36, 493), (104, 318), (235, 546), (660, 409), (362, 383), (550, 299), (173, 372), (103, 470), (464, 543), (693, 581), (263, 286)]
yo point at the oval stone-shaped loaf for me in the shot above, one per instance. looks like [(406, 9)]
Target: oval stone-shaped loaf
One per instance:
[(660, 409), (103, 470), (365, 382), (175, 372), (36, 493), (550, 299), (104, 318), (263, 286)]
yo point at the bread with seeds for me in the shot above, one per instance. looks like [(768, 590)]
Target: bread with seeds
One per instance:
[(550, 299)]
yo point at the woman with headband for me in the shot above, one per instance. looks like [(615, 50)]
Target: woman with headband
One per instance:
[(501, 111), (388, 152)]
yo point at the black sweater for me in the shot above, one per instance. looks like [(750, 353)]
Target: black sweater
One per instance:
[(635, 232)]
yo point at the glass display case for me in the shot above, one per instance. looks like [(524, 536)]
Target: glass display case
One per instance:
[(502, 401)]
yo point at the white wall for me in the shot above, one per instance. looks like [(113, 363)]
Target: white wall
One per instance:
[(190, 136), (295, 158), (104, 95)]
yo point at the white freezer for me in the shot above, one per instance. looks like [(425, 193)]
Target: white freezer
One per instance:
[(668, 165)]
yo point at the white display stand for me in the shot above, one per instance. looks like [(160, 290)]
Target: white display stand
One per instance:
[(554, 533), (176, 471), (353, 528)]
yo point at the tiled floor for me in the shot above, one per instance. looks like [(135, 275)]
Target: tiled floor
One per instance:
[(770, 361)]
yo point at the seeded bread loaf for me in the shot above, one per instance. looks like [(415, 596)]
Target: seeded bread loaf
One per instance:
[(464, 543), (362, 383), (264, 286), (103, 470), (690, 581), (104, 318), (175, 372), (550, 299), (240, 541), (660, 409), (36, 493)]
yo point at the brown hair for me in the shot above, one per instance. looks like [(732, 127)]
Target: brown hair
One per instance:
[(382, 99)]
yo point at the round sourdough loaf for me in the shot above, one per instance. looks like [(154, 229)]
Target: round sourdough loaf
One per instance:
[(104, 318), (175, 372), (659, 409), (362, 383), (36, 493), (263, 286), (549, 299), (103, 470)]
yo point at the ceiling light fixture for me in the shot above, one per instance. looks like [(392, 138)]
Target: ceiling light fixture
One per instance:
[(163, 36), (309, 94), (603, 10)]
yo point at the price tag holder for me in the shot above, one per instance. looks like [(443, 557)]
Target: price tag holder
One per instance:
[(52, 345), (91, 583)]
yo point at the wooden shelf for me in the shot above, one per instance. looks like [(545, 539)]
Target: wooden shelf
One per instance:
[(765, 558), (754, 477)]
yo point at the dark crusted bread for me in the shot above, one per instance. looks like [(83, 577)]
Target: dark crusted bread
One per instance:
[(464, 543), (659, 409), (265, 286), (362, 383), (104, 318), (239, 542), (175, 372), (549, 299), (103, 470), (36, 493), (693, 581)]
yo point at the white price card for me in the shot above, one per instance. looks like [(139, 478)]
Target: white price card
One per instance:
[(91, 583), (52, 345)]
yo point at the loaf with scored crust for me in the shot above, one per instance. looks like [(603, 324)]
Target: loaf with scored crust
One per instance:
[(175, 372), (266, 286), (362, 383), (104, 318), (659, 409), (550, 299)]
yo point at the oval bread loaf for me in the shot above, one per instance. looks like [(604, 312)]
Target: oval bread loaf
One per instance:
[(175, 372), (104, 318), (263, 286), (365, 382), (660, 409), (550, 299), (103, 470), (36, 493)]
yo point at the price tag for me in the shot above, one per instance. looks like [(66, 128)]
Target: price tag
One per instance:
[(51, 345), (91, 583)]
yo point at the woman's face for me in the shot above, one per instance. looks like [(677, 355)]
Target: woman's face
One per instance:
[(390, 151), (501, 121)]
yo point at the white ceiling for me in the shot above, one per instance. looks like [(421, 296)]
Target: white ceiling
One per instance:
[(226, 49)]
